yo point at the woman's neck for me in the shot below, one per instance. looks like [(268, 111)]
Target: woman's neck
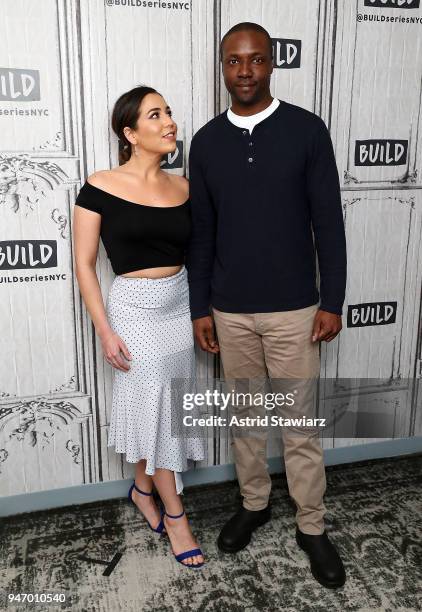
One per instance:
[(147, 166)]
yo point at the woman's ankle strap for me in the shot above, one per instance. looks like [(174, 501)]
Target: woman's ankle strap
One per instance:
[(174, 516), (140, 491)]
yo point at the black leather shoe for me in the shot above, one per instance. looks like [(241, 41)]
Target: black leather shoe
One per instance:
[(236, 533), (326, 566)]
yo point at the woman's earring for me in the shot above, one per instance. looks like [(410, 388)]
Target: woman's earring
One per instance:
[(135, 150)]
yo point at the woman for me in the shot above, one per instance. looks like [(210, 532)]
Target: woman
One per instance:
[(142, 216)]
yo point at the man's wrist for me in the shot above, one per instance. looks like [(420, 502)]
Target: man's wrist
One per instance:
[(337, 310), (200, 314)]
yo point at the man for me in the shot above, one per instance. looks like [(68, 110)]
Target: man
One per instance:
[(262, 177)]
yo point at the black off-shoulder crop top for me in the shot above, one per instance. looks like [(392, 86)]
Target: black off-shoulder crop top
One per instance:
[(138, 236)]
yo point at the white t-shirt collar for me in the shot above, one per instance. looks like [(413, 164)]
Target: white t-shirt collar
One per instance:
[(250, 122)]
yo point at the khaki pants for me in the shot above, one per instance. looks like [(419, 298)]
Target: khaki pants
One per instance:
[(276, 345)]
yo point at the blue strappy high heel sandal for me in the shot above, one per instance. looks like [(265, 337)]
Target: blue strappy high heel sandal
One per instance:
[(160, 526), (189, 553)]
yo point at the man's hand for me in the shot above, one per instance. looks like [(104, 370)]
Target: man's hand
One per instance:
[(326, 326), (204, 333)]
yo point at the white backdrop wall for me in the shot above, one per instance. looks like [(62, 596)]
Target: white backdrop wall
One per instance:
[(356, 63)]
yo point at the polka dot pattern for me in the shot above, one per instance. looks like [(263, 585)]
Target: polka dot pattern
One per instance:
[(152, 316)]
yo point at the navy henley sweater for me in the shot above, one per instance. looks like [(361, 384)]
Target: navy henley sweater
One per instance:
[(261, 203)]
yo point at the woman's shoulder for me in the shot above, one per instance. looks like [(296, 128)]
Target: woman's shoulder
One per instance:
[(91, 194), (180, 180), (180, 183), (101, 178)]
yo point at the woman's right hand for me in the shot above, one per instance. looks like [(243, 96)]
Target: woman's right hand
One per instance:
[(115, 350)]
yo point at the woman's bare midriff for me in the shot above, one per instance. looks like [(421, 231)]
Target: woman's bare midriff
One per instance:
[(153, 272)]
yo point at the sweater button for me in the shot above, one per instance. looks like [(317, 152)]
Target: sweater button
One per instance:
[(250, 160), (250, 144), (244, 132)]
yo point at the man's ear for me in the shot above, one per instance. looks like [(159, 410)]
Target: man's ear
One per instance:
[(272, 60)]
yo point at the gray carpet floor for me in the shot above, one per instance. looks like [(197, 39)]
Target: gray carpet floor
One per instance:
[(104, 557)]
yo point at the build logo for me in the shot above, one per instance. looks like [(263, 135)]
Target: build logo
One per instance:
[(371, 313), (286, 52), (409, 4), (23, 254), (19, 85), (381, 152)]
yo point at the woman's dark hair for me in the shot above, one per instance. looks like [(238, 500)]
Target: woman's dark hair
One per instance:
[(125, 114)]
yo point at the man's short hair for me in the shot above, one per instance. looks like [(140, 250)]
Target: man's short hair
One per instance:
[(244, 27)]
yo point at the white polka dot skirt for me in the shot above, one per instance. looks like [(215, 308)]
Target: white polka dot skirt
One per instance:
[(152, 316)]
